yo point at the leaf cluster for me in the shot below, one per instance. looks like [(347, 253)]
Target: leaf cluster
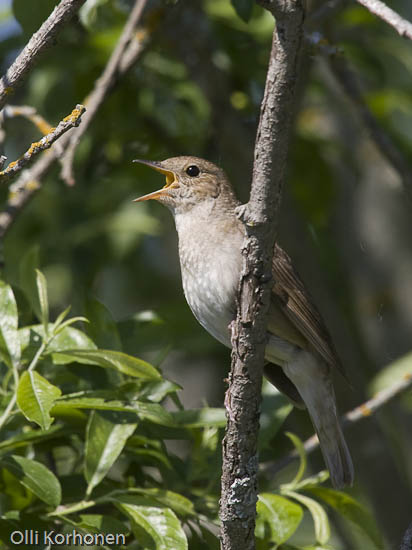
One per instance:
[(84, 446)]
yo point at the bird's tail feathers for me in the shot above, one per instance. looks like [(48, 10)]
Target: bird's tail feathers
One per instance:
[(334, 448), (312, 379)]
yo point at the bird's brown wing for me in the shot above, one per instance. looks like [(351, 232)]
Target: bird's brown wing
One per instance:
[(291, 295)]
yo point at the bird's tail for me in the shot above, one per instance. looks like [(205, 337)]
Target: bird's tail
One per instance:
[(312, 379)]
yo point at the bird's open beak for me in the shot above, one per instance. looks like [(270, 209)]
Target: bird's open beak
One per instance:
[(171, 181)]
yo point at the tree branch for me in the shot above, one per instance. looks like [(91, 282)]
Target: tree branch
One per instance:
[(10, 111), (29, 181), (126, 52), (240, 461), (387, 14), (347, 79), (365, 410), (44, 143), (36, 46), (377, 7)]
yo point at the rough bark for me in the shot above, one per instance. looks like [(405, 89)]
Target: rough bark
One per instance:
[(260, 214)]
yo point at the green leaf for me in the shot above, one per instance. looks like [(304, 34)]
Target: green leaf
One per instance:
[(243, 8), (395, 371), (178, 503), (9, 336), (277, 515), (68, 338), (60, 323), (35, 477), (89, 400), (106, 435), (320, 519), (302, 458), (149, 457), (43, 300), (61, 317), (161, 524), (352, 510), (68, 323), (99, 523), (28, 438), (36, 397), (117, 360), (157, 391), (200, 418)]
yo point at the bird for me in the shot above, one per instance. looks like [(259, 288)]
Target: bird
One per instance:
[(299, 354)]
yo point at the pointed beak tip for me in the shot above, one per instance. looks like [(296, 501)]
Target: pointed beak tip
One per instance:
[(140, 161)]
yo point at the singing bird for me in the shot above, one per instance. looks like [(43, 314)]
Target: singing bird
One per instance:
[(299, 351)]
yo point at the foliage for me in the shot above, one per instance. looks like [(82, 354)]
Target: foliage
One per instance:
[(81, 388), (58, 405)]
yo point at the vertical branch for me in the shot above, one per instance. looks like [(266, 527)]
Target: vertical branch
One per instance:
[(240, 461)]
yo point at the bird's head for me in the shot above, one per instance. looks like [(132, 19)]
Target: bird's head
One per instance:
[(190, 181)]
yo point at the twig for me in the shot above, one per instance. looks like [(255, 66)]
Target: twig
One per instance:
[(377, 7), (240, 462), (124, 55), (46, 142), (358, 413), (347, 80), (29, 181), (36, 46), (387, 14), (10, 111)]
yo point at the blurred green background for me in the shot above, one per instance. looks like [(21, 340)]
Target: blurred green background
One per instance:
[(196, 89)]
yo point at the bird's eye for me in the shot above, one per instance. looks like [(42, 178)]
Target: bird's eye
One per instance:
[(192, 171)]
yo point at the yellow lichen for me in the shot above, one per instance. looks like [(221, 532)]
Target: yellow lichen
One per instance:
[(73, 116), (45, 128), (365, 410), (32, 185), (33, 147)]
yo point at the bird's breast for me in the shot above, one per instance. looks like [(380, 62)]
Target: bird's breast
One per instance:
[(210, 276)]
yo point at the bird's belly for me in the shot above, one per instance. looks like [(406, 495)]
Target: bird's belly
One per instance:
[(211, 297), (210, 294)]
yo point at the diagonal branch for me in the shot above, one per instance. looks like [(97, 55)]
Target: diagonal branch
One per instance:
[(377, 7), (29, 182), (387, 14), (240, 462), (365, 410), (347, 79), (124, 55), (70, 121), (29, 113), (37, 44)]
